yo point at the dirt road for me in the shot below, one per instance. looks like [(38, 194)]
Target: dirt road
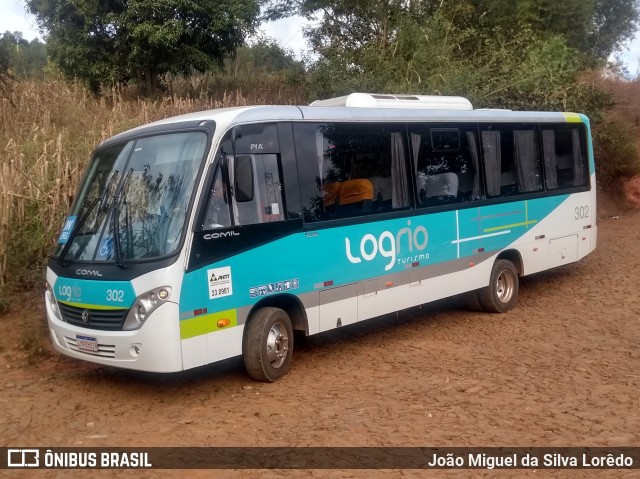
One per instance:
[(562, 369)]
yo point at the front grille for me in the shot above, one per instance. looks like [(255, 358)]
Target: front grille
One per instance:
[(104, 350), (103, 319)]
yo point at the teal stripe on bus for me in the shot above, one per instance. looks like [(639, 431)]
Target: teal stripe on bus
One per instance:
[(346, 254)]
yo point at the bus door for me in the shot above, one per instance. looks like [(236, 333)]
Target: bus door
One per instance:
[(243, 214)]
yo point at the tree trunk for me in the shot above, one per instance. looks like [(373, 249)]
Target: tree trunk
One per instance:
[(151, 81)]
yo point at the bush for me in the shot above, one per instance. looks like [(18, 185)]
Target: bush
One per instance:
[(616, 151)]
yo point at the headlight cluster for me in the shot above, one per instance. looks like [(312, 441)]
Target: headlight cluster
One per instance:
[(145, 304), (51, 299)]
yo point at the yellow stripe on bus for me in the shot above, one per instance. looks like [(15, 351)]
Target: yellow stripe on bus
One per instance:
[(92, 306), (513, 225), (208, 323), (572, 118)]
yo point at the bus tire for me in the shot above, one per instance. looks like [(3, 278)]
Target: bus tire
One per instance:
[(502, 293), (267, 344)]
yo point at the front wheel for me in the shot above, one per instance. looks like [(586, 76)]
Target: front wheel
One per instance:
[(502, 293), (267, 344)]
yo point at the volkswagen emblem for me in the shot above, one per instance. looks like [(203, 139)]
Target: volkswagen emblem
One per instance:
[(85, 316)]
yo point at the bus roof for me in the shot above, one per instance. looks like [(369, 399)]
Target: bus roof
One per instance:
[(225, 118)]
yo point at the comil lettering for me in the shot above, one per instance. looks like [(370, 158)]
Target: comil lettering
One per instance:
[(88, 272), (388, 245), (224, 234)]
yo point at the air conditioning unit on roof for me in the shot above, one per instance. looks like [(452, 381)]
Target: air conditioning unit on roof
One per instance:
[(419, 102)]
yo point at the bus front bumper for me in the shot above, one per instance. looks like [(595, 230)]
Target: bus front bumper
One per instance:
[(155, 347)]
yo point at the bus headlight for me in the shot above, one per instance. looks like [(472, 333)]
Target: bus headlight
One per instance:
[(51, 299), (145, 304)]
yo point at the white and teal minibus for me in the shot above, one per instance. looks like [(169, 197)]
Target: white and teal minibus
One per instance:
[(217, 234)]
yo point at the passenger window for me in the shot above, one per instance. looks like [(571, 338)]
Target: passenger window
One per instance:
[(447, 164), (527, 160), (351, 170), (564, 157), (511, 159)]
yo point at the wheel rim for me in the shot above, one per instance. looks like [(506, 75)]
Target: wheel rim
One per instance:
[(505, 285), (277, 345)]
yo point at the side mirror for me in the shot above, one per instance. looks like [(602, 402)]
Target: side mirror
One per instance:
[(243, 176)]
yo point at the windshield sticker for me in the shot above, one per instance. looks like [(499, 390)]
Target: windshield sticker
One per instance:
[(272, 288), (67, 229), (219, 282), (106, 248)]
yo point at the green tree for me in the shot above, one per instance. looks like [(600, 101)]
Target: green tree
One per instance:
[(264, 56), (499, 53), (31, 60), (27, 59), (6, 77), (595, 28), (105, 41)]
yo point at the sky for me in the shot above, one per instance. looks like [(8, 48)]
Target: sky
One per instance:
[(287, 32)]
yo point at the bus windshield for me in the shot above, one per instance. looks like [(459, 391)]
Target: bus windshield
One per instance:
[(133, 202)]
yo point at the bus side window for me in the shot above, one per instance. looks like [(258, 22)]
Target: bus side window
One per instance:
[(492, 157), (447, 164), (508, 176), (564, 160), (527, 159), (511, 157), (350, 170)]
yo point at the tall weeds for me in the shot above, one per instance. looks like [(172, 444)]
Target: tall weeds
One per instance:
[(617, 133), (47, 132)]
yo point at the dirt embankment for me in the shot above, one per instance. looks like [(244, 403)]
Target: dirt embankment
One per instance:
[(562, 369)]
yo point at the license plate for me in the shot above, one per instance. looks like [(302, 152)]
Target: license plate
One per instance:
[(86, 343)]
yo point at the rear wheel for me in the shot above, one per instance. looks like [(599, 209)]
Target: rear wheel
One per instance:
[(267, 345), (502, 293)]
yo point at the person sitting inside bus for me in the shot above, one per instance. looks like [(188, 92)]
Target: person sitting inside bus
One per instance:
[(331, 194), (355, 197)]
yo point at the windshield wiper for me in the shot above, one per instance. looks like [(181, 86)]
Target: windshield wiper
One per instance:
[(76, 229), (117, 246), (104, 204), (83, 219)]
